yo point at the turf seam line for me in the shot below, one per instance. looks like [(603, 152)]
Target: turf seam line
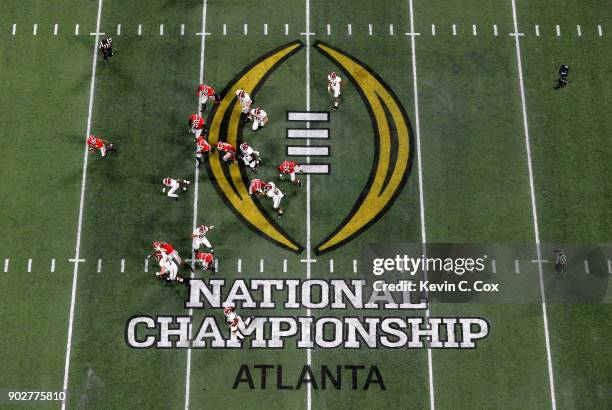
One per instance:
[(534, 210), (81, 206)]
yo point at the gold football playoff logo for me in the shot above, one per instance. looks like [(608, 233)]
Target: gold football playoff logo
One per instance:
[(392, 144)]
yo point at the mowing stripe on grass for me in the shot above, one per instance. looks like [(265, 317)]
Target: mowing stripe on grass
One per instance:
[(533, 206), (195, 205), (421, 195), (77, 250)]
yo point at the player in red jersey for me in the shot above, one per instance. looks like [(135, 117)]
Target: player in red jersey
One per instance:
[(197, 125), (257, 187), (167, 249), (205, 92), (101, 145), (203, 148), (290, 168), (228, 149), (206, 261)]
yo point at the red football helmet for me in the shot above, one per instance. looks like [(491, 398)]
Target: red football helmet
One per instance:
[(91, 139)]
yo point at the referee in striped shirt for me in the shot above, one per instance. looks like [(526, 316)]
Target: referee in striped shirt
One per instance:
[(106, 47)]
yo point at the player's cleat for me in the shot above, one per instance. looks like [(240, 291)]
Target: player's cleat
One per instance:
[(211, 250), (185, 188), (299, 183)]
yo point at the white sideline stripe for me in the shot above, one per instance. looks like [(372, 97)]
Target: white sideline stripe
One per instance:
[(161, 29), (454, 29), (308, 151), (308, 116), (537, 30), (261, 265), (579, 30), (308, 224), (495, 30), (246, 29), (432, 400), (350, 30), (586, 267), (534, 210), (225, 29), (328, 30), (284, 265), (331, 266), (390, 29), (30, 265), (558, 30), (493, 266), (122, 265), (55, 28), (308, 133), (517, 268), (369, 29), (354, 265), (35, 29), (118, 29), (239, 267), (599, 30), (433, 29), (315, 169), (81, 206), (265, 29), (52, 265), (6, 265), (474, 32), (146, 265), (99, 269), (182, 29), (140, 29), (195, 205), (76, 30), (286, 29)]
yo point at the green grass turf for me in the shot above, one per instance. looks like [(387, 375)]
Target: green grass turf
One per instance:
[(475, 182)]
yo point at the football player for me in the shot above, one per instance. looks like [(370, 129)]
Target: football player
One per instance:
[(204, 92), (206, 261), (237, 325), (560, 261), (173, 185), (290, 168), (245, 101), (276, 195), (197, 125), (106, 48), (563, 73), (230, 151), (167, 249), (334, 85), (198, 238), (101, 145), (169, 270), (203, 148), (256, 187), (259, 117), (250, 157)]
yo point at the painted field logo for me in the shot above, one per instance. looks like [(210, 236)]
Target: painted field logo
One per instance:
[(392, 139)]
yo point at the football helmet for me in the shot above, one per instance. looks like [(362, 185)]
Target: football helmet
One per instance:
[(228, 310), (332, 75), (240, 93), (244, 147), (167, 181), (91, 139), (155, 244)]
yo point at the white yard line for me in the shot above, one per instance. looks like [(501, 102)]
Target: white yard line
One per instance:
[(239, 266), (265, 29), (140, 29), (55, 29), (454, 29), (52, 265), (599, 30), (579, 30), (182, 29), (77, 250), (417, 129), (286, 29), (308, 224), (369, 29), (261, 266), (284, 265), (161, 29), (99, 268), (537, 30), (246, 29), (390, 29), (354, 265), (146, 265), (14, 29), (118, 29), (474, 30), (122, 265), (76, 30), (30, 265), (350, 30), (6, 265), (35, 29), (196, 185), (534, 208), (495, 33), (558, 29), (433, 29), (331, 266)]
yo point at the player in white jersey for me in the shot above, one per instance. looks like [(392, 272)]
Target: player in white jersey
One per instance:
[(198, 238), (259, 117), (169, 269), (334, 87), (237, 325), (173, 185), (276, 195), (245, 101), (250, 157)]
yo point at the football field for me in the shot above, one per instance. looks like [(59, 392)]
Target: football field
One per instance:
[(450, 138)]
